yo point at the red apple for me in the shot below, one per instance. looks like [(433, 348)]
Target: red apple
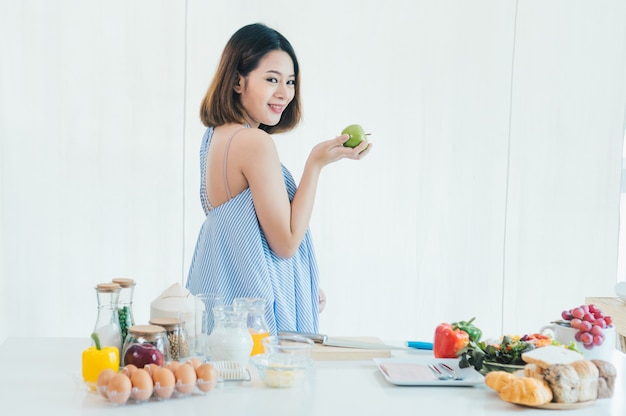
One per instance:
[(142, 354)]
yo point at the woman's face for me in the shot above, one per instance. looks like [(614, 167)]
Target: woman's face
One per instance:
[(266, 91)]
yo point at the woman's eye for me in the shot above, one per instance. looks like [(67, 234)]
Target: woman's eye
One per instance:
[(291, 82), (272, 80)]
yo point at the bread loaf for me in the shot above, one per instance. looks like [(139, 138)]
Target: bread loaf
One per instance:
[(606, 378), (588, 374), (563, 381), (551, 354)]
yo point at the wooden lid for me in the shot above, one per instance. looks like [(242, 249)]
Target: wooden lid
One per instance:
[(146, 329), (124, 282), (107, 287)]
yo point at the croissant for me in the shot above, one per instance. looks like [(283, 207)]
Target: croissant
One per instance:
[(496, 380), (527, 391)]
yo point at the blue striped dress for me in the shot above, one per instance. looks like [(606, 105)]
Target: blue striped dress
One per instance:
[(232, 257)]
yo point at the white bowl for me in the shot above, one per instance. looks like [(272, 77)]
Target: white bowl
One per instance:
[(620, 291)]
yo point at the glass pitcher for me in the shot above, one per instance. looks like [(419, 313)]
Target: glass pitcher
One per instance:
[(230, 339), (257, 326)]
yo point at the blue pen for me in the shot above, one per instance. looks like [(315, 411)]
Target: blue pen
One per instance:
[(420, 345)]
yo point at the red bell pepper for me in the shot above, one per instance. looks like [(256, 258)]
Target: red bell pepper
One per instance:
[(449, 342)]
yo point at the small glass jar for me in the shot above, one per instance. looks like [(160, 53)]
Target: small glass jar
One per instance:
[(125, 304), (146, 344), (176, 336)]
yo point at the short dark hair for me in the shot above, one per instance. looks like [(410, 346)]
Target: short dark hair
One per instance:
[(242, 54)]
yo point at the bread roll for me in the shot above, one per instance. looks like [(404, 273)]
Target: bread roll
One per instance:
[(564, 382), (496, 380), (527, 391), (606, 378), (588, 373)]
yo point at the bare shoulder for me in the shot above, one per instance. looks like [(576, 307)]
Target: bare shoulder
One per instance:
[(253, 143)]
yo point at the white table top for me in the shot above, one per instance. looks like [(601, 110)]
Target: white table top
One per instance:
[(44, 375)]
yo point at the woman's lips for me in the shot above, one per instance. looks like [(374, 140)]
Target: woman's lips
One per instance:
[(277, 108)]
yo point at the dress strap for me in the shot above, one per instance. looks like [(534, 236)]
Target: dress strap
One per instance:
[(230, 139)]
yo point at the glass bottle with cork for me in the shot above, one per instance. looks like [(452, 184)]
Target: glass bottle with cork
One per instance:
[(107, 323), (125, 305)]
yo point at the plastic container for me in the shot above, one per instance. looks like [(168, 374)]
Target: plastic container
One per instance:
[(159, 393)]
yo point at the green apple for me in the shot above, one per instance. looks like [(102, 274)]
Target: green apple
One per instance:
[(356, 133)]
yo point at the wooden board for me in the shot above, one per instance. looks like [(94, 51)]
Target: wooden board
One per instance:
[(326, 353)]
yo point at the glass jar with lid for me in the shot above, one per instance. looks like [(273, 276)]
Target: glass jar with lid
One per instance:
[(146, 344), (176, 336), (107, 323), (125, 304)]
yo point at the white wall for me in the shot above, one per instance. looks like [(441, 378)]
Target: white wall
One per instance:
[(493, 189)]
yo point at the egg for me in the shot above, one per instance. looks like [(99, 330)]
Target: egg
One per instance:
[(150, 368), (173, 365), (128, 370), (185, 379), (207, 377), (194, 362), (103, 379), (118, 388), (142, 385), (164, 381)]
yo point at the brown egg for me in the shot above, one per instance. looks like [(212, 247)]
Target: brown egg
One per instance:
[(142, 384), (118, 388), (151, 368), (128, 370), (103, 379), (185, 379), (207, 377), (164, 381), (173, 365), (194, 362)]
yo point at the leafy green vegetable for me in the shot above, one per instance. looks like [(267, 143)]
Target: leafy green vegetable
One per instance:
[(509, 351)]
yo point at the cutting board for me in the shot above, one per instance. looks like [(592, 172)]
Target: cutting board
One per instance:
[(326, 353)]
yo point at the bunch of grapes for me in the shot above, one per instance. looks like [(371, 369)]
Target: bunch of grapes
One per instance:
[(590, 321)]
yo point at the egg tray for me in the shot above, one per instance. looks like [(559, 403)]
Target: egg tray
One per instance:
[(177, 391)]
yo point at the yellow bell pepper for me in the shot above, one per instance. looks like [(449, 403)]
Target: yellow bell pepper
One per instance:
[(96, 359)]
